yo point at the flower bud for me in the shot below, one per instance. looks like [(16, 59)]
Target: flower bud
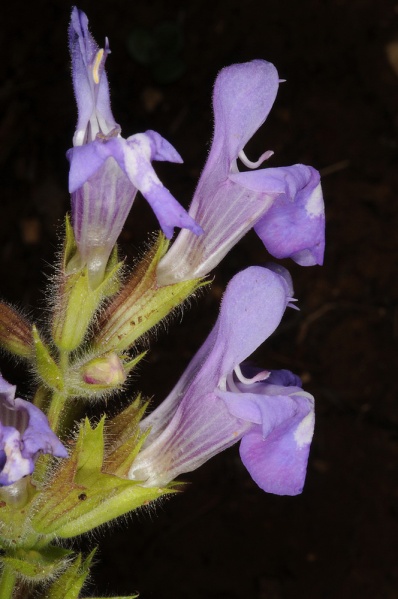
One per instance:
[(105, 371)]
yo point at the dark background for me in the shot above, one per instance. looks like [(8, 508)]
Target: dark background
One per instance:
[(223, 537)]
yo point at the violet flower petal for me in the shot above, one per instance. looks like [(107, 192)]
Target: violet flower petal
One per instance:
[(251, 309), (276, 451), (294, 226), (277, 461), (24, 434), (243, 97)]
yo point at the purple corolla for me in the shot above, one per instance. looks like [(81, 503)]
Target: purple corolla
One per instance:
[(106, 170), (218, 401), (284, 205), (24, 434)]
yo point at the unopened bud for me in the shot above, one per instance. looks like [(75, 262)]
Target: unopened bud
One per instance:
[(106, 371)]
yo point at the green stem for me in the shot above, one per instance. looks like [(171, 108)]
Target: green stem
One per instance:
[(7, 582), (57, 405), (59, 397), (55, 409)]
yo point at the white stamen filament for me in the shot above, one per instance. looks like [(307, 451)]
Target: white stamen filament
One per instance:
[(228, 384), (261, 376), (242, 156)]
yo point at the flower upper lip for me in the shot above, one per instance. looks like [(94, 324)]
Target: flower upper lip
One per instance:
[(90, 81)]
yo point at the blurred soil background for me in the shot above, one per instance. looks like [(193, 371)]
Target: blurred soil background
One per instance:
[(223, 538)]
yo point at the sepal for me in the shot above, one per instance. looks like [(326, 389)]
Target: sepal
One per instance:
[(141, 304), (77, 300), (37, 564), (15, 332), (128, 438), (14, 500), (78, 304), (70, 583), (82, 495), (46, 367)]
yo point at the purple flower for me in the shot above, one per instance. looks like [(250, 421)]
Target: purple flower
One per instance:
[(106, 170), (24, 434), (284, 205), (214, 404)]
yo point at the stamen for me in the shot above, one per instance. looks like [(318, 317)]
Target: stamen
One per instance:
[(231, 386), (228, 384), (96, 65), (290, 305), (261, 376), (251, 164)]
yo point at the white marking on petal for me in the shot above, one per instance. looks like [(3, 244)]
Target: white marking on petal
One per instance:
[(142, 141), (16, 465), (304, 431), (314, 205), (147, 182), (130, 162)]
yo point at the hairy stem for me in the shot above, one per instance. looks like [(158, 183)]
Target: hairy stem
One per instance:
[(7, 582)]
